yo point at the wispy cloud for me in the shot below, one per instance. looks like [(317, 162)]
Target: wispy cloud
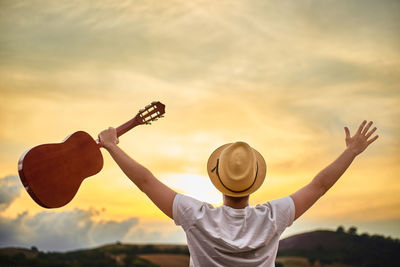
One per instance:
[(9, 190), (61, 230), (76, 228)]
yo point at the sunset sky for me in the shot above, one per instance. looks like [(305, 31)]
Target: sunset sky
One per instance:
[(284, 76)]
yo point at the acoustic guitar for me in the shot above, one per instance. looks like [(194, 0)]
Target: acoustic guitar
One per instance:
[(52, 173)]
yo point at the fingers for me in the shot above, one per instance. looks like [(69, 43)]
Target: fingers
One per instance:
[(99, 136), (373, 139), (361, 127), (366, 128), (370, 132), (99, 142), (107, 136), (346, 130)]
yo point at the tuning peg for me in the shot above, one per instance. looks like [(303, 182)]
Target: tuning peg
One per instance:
[(154, 102)]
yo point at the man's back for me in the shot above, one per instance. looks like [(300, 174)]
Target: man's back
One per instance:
[(225, 236)]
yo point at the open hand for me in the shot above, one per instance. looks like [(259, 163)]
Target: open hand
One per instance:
[(359, 142)]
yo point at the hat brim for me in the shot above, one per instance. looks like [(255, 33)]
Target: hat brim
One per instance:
[(212, 162)]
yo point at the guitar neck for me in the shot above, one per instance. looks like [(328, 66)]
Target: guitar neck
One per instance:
[(150, 113), (127, 126)]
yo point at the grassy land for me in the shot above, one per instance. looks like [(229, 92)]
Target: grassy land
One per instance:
[(313, 249), (303, 262), (166, 260)]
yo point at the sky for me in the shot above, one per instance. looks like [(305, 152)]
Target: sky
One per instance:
[(283, 76)]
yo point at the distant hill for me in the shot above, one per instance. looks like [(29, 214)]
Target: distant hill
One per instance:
[(343, 247), (318, 248)]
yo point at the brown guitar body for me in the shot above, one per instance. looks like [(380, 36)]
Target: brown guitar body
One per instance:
[(52, 173)]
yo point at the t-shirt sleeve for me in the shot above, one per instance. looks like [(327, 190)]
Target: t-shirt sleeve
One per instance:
[(283, 211), (185, 210)]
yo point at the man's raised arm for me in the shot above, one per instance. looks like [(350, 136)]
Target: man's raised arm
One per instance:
[(159, 193), (308, 195)]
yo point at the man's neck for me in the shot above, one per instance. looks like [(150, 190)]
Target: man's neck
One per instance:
[(236, 202)]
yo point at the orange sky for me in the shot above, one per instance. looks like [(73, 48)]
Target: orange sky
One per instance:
[(284, 77)]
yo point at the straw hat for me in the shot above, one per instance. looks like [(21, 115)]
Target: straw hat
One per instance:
[(236, 169)]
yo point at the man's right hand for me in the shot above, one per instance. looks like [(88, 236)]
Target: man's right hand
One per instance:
[(108, 137), (359, 142)]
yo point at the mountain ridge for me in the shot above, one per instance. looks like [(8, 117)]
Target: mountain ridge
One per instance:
[(345, 247)]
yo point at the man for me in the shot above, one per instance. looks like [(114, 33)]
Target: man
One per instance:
[(236, 234)]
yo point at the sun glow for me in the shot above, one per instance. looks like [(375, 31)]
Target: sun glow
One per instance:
[(197, 186)]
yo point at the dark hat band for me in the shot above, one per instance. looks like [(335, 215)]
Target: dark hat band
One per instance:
[(233, 191)]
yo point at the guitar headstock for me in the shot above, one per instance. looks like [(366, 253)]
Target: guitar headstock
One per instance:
[(151, 113)]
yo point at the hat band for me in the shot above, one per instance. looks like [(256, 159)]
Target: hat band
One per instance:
[(234, 191)]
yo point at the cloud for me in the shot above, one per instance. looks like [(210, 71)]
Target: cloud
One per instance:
[(156, 232), (61, 230), (187, 49), (182, 41), (10, 187), (67, 230)]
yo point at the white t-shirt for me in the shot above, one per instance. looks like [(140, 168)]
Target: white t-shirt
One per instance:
[(225, 236)]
